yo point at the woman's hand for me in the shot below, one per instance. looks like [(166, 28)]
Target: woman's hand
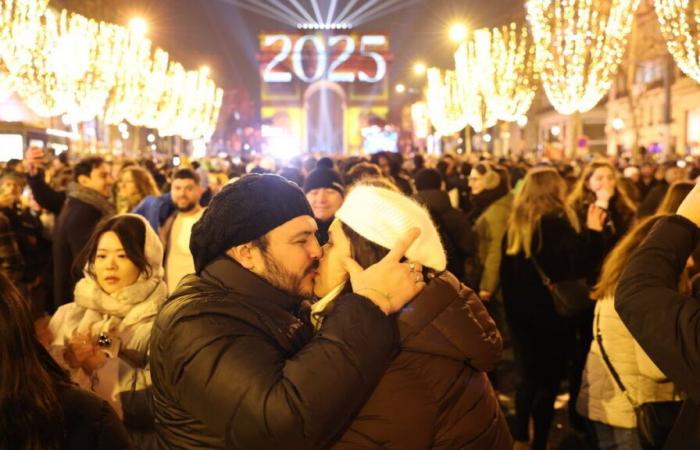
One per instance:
[(389, 284), (595, 219), (94, 361), (79, 348)]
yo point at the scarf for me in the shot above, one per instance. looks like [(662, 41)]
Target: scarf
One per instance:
[(318, 309), (103, 312), (92, 198), (481, 201)]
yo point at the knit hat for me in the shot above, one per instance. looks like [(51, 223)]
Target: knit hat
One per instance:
[(323, 178), (392, 215), (244, 211), (427, 179)]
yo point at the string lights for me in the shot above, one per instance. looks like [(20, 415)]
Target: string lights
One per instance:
[(579, 46), (511, 55), (66, 64), (680, 22), (445, 104), (475, 76)]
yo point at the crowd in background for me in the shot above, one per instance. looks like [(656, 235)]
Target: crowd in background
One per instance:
[(96, 245)]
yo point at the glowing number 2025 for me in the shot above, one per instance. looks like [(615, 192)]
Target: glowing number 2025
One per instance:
[(341, 77), (322, 59), (278, 77)]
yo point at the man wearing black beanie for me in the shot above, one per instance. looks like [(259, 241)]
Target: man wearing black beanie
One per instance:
[(324, 190), (234, 360)]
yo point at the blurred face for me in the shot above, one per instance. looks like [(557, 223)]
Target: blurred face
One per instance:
[(385, 166), (331, 272), (113, 268), (127, 185), (602, 180), (100, 180), (290, 262), (185, 193), (12, 188), (646, 171), (476, 182), (324, 202)]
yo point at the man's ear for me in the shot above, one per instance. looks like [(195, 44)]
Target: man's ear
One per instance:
[(243, 255), (83, 180)]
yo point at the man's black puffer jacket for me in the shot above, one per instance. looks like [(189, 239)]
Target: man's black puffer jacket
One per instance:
[(234, 367)]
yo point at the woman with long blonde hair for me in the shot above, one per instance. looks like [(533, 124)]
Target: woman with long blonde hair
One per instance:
[(133, 185), (611, 415), (544, 230)]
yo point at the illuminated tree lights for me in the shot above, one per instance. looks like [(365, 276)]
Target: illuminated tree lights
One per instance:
[(680, 27), (579, 46), (445, 102), (67, 64), (496, 73)]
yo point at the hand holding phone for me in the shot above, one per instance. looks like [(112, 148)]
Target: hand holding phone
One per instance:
[(34, 159)]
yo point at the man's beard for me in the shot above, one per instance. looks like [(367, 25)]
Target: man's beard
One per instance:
[(187, 208), (284, 280)]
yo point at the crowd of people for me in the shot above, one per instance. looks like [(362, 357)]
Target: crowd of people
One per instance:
[(347, 302)]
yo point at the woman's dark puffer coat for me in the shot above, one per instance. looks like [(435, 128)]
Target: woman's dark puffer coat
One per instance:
[(435, 394)]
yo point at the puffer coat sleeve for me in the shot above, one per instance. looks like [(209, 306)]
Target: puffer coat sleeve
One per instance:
[(665, 322), (234, 378)]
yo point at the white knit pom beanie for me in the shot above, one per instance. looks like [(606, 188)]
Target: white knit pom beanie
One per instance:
[(383, 216)]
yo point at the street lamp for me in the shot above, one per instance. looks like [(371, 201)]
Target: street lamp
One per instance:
[(205, 70), (400, 88), (618, 124), (458, 32), (138, 26), (419, 69)]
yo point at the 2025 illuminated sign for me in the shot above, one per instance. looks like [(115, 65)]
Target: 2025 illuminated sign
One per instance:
[(333, 56)]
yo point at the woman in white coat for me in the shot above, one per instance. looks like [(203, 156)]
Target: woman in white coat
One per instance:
[(103, 336), (613, 423)]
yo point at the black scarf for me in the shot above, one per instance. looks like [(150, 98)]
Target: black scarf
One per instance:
[(481, 201)]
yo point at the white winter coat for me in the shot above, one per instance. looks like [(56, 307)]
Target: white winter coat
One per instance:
[(126, 316), (600, 399)]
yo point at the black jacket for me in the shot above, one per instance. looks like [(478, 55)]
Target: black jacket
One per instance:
[(90, 422), (233, 365), (74, 226), (562, 254), (664, 322), (44, 195), (454, 227)]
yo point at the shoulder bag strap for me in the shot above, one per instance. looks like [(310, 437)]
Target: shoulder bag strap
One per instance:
[(545, 279), (608, 363)]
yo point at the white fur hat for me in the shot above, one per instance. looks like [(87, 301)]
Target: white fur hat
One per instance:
[(382, 216)]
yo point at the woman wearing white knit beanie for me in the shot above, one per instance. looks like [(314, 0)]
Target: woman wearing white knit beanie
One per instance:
[(435, 393)]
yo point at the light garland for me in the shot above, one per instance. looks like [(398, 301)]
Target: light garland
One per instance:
[(680, 27), (579, 46), (513, 74), (445, 104), (67, 64), (475, 76)]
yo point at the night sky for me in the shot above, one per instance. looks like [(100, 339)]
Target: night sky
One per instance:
[(224, 36)]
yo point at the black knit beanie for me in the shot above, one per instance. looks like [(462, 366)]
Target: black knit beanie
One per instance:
[(324, 178), (427, 179), (244, 211)]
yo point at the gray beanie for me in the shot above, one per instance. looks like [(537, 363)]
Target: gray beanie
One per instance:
[(244, 211)]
